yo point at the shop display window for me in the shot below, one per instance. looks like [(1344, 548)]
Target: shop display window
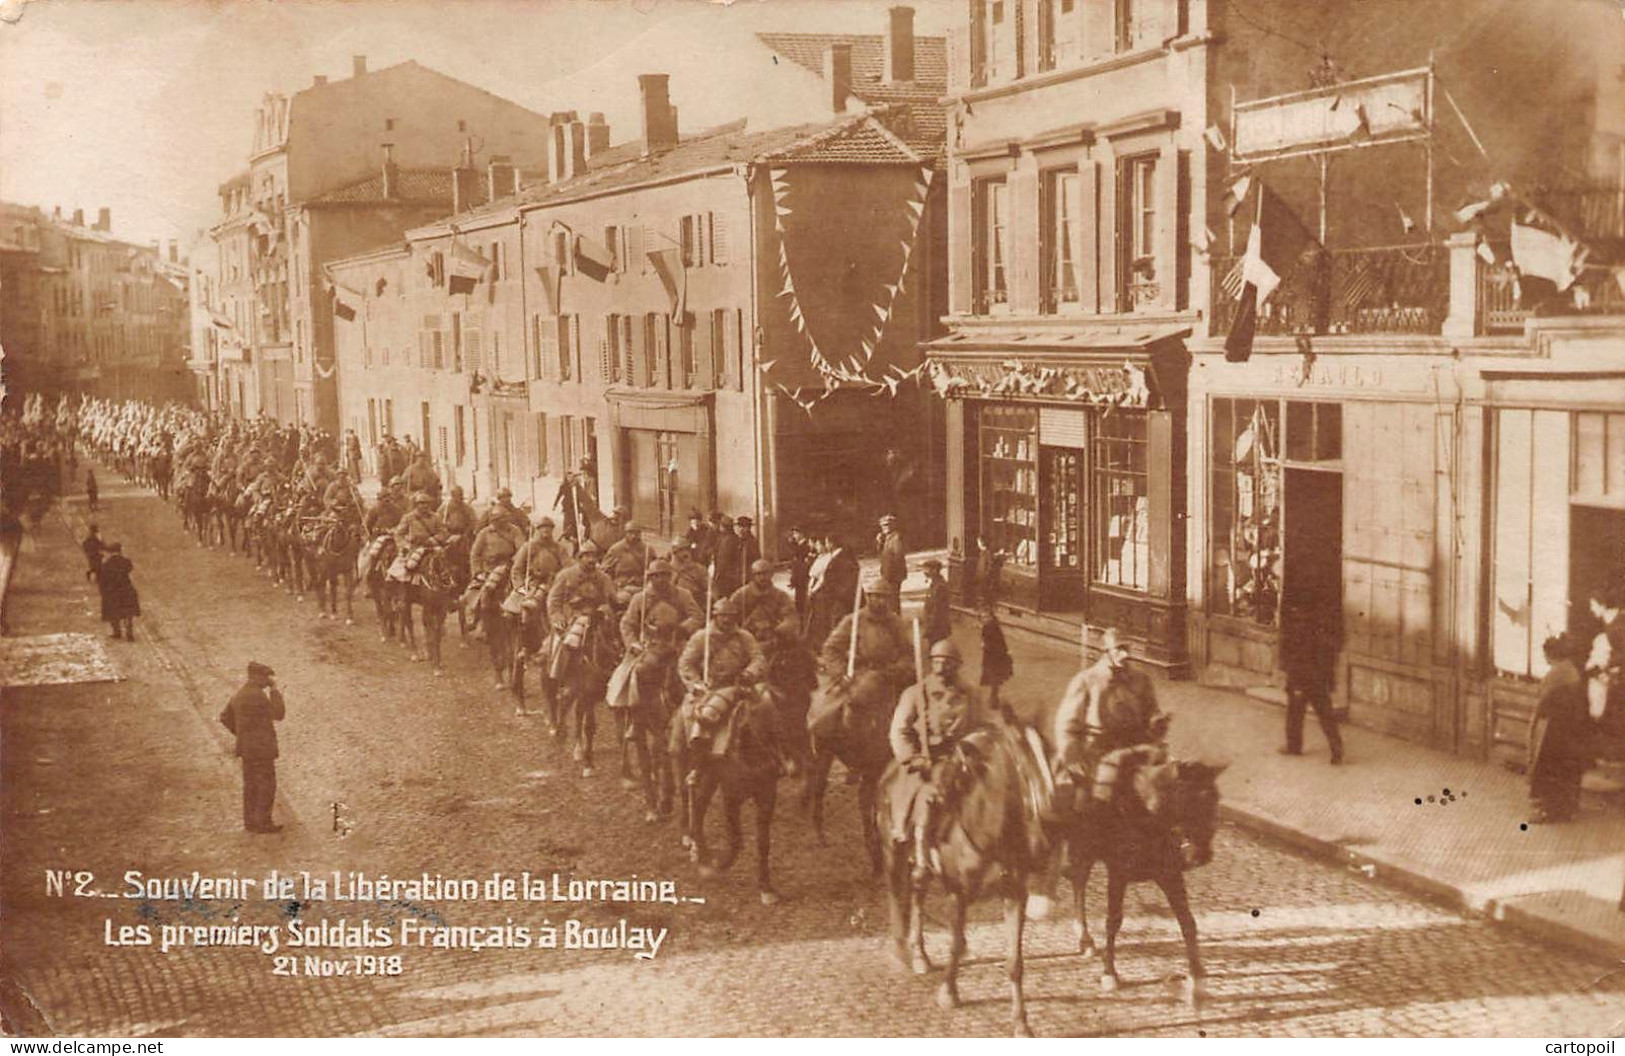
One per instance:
[(1244, 573), (1063, 509), (1122, 502), (1008, 447)]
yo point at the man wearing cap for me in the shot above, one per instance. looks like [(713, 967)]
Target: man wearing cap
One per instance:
[(626, 559), (893, 556), (660, 591), (932, 717), (1108, 709), (687, 572), (935, 621), (834, 581), (252, 715), (729, 574), (767, 612), (387, 512), (579, 590), (801, 561), (338, 497), (701, 536), (750, 548)]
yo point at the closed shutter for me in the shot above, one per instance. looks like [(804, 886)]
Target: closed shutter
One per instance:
[(704, 339), (667, 374), (546, 347), (575, 344), (606, 352), (743, 348), (474, 352), (633, 236), (636, 345), (724, 347), (719, 238), (1060, 428)]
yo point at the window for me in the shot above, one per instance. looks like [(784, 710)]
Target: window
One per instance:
[(544, 336), (496, 353), (1057, 32), (473, 352), (1008, 439), (444, 452), (992, 251), (1314, 431), (1244, 540), (389, 124), (1124, 19), (1000, 54), (1137, 231), (499, 266), (561, 252), (688, 368), (1122, 502), (567, 459), (1061, 241)]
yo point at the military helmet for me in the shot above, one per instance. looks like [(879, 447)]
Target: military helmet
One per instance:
[(659, 567), (589, 549), (724, 607), (420, 498), (946, 650), (759, 566), (543, 521), (505, 493)]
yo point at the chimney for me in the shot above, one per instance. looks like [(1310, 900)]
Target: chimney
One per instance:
[(104, 219), (900, 44), (465, 181), (659, 124), (359, 62), (391, 173), (597, 135), (56, 213), (558, 143), (838, 75), (320, 79), (501, 177), (78, 218), (174, 252)]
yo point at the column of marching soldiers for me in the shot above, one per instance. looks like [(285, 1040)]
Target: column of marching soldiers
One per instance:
[(710, 670)]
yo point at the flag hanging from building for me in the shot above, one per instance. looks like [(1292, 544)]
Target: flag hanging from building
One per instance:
[(668, 264), (468, 269), (1276, 241), (550, 289), (342, 310), (593, 258), (1543, 255)]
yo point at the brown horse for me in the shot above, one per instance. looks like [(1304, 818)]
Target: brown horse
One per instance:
[(331, 554), (859, 738), (433, 591), (990, 838), (578, 675)]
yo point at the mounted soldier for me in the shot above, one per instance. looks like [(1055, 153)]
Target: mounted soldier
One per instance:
[(490, 562), (1108, 721), (687, 572), (417, 532), (626, 561), (502, 508), (932, 718), (721, 668), (420, 476), (535, 566), (458, 516), (578, 593), (882, 662), (767, 612)]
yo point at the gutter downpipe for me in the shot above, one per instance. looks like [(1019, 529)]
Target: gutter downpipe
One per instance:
[(759, 414)]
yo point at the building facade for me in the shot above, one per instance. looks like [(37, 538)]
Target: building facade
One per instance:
[(713, 321), (314, 190)]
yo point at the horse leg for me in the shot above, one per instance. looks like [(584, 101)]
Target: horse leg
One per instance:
[(813, 788), (434, 629), (1080, 892), (586, 727), (1173, 887), (899, 902), (733, 805), (1116, 886), (349, 593), (1015, 911), (919, 963), (495, 644), (701, 802), (948, 992), (624, 724), (1041, 887), (766, 799), (871, 827)]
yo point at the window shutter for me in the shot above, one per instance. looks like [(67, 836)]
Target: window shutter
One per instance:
[(663, 362), (556, 443), (702, 351), (719, 238), (474, 352), (743, 346), (633, 330), (606, 363), (560, 326), (546, 348), (726, 348), (647, 239)]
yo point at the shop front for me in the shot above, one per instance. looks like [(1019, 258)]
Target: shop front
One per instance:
[(664, 455), (1066, 485)]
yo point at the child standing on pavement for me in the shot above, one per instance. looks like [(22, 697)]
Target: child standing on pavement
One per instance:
[(997, 666)]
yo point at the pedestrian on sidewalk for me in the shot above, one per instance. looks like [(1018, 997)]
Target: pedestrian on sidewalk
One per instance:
[(1308, 656), (95, 549), (935, 619), (997, 666), (893, 555), (1560, 741), (120, 602), (90, 489), (252, 715)]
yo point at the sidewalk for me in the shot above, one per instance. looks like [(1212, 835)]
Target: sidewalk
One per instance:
[(1447, 827)]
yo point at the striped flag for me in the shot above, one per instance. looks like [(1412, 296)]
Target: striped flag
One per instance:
[(1361, 287)]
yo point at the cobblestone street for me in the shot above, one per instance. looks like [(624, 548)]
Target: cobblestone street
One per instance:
[(385, 769)]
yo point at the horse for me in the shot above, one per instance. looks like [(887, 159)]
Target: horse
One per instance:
[(642, 694), (747, 768), (378, 586), (331, 553), (433, 589), (580, 669), (990, 838), (859, 738), (491, 588), (225, 519), (1153, 830)]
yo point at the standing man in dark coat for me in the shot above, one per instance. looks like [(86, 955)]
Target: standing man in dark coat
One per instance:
[(701, 537), (936, 622), (750, 549), (92, 496), (726, 558), (893, 555), (801, 559), (252, 715), (94, 549), (120, 602), (1309, 645), (1560, 741)]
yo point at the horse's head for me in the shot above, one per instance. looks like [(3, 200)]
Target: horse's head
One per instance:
[(1185, 797)]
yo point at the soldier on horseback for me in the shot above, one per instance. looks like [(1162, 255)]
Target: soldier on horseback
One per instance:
[(1108, 721), (419, 530), (578, 592), (491, 558), (379, 524), (721, 668), (661, 589), (931, 719), (534, 568), (882, 661), (458, 515), (625, 562), (767, 612), (686, 571), (502, 509)]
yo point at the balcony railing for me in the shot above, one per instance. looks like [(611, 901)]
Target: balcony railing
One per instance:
[(1381, 290), (1501, 311)]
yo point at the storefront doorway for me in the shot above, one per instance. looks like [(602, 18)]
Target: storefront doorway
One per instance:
[(1312, 557)]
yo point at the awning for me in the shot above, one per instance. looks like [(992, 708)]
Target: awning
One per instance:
[(1120, 367)]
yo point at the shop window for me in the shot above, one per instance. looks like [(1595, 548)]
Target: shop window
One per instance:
[(1122, 502), (1244, 541), (1008, 443), (991, 249), (1060, 239), (1314, 431)]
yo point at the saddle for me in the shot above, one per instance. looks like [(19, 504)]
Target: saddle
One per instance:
[(572, 640), (717, 715)]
